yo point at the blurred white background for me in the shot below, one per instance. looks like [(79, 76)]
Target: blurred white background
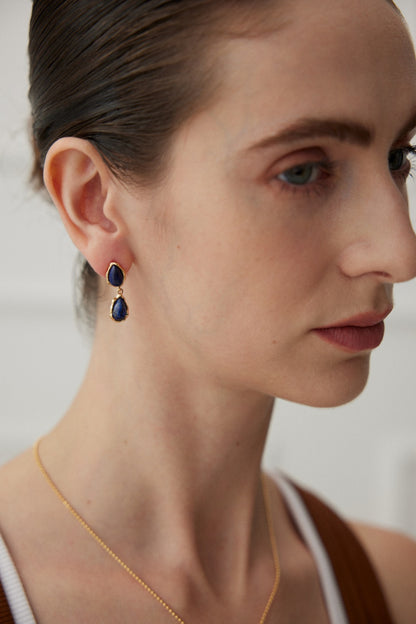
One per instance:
[(361, 456)]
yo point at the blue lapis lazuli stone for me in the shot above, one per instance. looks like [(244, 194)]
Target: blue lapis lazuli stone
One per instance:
[(119, 309), (115, 276)]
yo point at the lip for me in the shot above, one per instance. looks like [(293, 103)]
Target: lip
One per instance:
[(358, 333)]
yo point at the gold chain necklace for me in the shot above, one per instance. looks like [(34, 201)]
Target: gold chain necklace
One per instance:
[(137, 578)]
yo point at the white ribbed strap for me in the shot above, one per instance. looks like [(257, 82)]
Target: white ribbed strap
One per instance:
[(333, 600), (13, 588)]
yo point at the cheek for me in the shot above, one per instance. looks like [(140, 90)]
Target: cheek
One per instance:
[(227, 279)]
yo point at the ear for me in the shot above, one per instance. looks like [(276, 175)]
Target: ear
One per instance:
[(85, 194)]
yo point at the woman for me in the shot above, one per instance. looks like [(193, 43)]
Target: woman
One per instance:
[(238, 171)]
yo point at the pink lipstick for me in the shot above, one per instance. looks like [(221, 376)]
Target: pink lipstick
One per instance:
[(360, 333)]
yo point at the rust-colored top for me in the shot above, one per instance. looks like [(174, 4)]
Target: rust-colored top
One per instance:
[(360, 588), (5, 613)]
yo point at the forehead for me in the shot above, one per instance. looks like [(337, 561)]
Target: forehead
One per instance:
[(342, 57)]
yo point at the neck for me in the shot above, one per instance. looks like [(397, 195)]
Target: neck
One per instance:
[(180, 456)]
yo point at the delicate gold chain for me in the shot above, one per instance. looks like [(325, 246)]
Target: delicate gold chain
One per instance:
[(272, 536), (137, 578)]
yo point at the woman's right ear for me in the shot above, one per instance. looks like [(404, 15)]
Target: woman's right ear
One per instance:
[(81, 187)]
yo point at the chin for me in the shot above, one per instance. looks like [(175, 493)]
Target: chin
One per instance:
[(340, 386), (335, 399)]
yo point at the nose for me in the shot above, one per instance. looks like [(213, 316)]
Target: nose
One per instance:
[(381, 240)]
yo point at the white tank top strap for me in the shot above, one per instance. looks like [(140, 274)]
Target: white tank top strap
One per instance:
[(13, 588), (306, 527)]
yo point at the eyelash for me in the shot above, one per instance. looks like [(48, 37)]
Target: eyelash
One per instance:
[(408, 171), (328, 168)]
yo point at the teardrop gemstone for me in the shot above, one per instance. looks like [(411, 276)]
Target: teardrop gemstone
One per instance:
[(115, 275), (119, 310)]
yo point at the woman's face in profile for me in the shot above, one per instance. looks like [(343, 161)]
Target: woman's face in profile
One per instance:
[(284, 209)]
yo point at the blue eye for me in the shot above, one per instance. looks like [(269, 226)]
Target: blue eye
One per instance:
[(301, 174), (398, 159)]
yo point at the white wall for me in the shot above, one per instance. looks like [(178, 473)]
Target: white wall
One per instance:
[(43, 355), (362, 456)]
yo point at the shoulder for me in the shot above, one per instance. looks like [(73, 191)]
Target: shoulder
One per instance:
[(15, 473), (394, 558), (18, 489)]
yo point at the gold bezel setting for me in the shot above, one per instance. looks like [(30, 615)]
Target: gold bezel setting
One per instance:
[(119, 268), (125, 309)]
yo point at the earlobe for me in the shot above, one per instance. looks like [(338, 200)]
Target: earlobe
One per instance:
[(80, 185)]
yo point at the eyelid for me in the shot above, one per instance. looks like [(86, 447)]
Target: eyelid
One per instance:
[(302, 156), (324, 165), (409, 148)]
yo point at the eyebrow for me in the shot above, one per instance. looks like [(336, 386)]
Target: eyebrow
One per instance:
[(343, 130)]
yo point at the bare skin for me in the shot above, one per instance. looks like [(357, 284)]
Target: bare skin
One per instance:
[(231, 268)]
